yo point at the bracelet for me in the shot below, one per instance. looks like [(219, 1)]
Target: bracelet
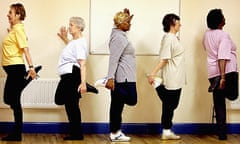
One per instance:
[(31, 66)]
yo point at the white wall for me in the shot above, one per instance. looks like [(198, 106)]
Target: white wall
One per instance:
[(43, 21)]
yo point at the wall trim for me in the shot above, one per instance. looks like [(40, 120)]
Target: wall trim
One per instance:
[(131, 128)]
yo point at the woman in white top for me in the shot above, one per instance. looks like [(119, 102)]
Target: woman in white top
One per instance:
[(171, 64), (72, 70)]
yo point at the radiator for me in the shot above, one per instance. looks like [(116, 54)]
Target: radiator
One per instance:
[(38, 94), (234, 104)]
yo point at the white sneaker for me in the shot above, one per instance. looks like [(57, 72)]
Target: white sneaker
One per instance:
[(101, 82), (170, 136), (119, 137)]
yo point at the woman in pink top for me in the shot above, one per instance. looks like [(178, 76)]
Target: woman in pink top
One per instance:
[(222, 67)]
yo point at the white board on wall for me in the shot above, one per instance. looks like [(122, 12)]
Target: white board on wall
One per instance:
[(146, 30)]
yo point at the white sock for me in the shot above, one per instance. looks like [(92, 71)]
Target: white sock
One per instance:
[(166, 131), (117, 133)]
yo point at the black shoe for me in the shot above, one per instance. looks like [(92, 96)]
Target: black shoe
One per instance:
[(27, 81), (12, 137), (91, 88), (73, 138), (37, 69)]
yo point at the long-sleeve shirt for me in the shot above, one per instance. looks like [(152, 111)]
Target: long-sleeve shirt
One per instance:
[(122, 63)]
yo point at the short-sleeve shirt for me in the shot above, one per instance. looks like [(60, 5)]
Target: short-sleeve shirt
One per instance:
[(13, 44), (219, 45), (74, 51), (122, 63), (173, 72)]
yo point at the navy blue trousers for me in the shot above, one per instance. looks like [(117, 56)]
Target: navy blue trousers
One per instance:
[(124, 93)]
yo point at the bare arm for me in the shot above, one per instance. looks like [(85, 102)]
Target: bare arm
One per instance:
[(82, 87), (32, 72), (222, 65), (159, 66)]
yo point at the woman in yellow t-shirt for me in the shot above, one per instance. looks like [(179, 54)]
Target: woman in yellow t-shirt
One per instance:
[(13, 47)]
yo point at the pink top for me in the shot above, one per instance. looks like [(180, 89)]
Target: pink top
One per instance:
[(219, 45)]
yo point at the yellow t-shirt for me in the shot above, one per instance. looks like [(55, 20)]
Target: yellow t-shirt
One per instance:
[(12, 46)]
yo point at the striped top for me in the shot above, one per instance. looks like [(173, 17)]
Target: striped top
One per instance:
[(122, 63)]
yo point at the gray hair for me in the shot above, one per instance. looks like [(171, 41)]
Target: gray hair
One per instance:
[(79, 22)]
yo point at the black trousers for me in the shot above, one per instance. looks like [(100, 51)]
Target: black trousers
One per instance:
[(124, 93), (220, 111), (68, 95), (219, 99), (15, 83), (170, 100)]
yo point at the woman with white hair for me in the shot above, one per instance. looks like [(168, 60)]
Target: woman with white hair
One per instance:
[(72, 70), (121, 78)]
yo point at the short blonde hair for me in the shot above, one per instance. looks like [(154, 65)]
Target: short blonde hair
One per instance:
[(120, 17), (79, 22)]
